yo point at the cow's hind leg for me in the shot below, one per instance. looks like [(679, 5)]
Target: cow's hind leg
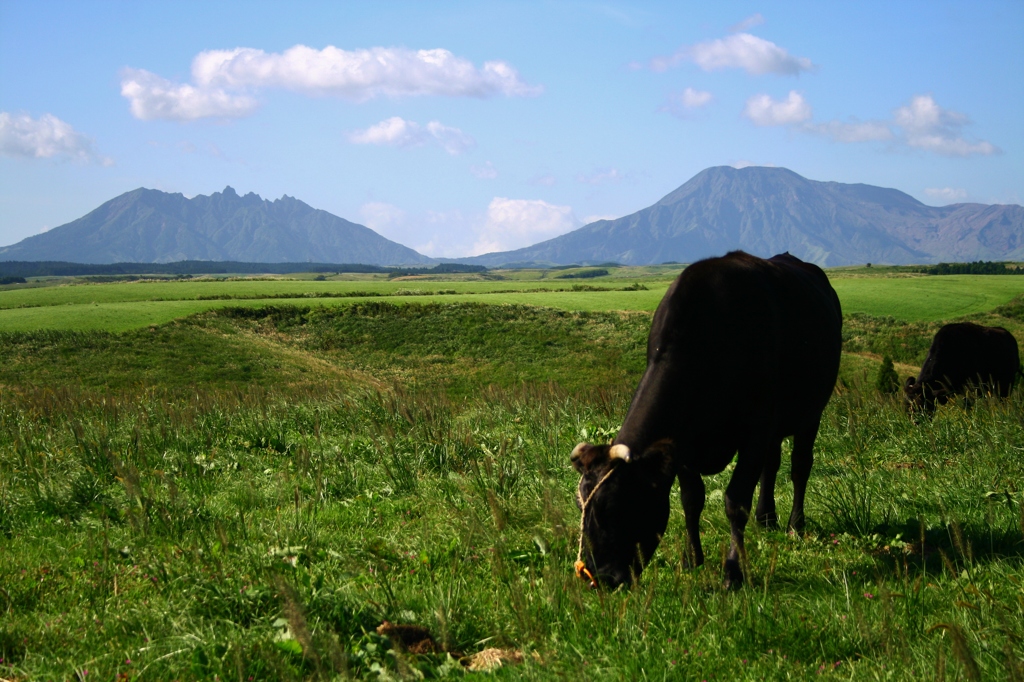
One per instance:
[(738, 496), (691, 490), (766, 514), (802, 461)]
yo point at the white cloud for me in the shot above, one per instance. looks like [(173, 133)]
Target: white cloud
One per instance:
[(515, 223), (153, 97), (762, 110), (224, 80), (683, 103), (854, 131), (691, 99), (748, 23), (359, 74), (947, 195), (484, 172), (594, 218), (44, 138), (926, 125), (453, 140), (754, 55), (921, 124), (601, 177), (395, 131), (398, 132)]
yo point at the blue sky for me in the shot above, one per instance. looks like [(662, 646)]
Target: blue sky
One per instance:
[(463, 127)]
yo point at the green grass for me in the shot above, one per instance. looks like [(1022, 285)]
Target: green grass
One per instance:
[(131, 305), (133, 315), (250, 492), (373, 343), (125, 292), (926, 299)]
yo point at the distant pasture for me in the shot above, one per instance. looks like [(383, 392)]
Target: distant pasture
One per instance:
[(122, 306)]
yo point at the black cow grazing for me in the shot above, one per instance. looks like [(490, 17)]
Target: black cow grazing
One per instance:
[(743, 352), (964, 357)]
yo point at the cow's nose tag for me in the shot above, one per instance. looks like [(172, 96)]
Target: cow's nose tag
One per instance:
[(582, 572)]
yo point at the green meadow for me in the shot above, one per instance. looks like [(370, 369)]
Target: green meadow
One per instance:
[(120, 306), (247, 479)]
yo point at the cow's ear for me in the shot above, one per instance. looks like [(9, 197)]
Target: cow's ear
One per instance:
[(659, 462), (585, 455)]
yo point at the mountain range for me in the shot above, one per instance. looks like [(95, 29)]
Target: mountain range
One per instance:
[(765, 210), (762, 210), (150, 226)]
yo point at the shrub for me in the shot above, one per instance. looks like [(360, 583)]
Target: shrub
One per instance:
[(888, 382)]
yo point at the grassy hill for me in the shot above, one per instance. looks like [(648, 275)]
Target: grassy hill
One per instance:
[(253, 490)]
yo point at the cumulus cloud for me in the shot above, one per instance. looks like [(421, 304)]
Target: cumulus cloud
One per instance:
[(224, 80), (395, 131), (948, 195), (360, 74), (44, 138), (691, 99), (515, 223), (601, 177), (921, 124), (926, 125), (152, 97), (398, 132), (682, 104), (754, 55), (484, 172), (748, 23), (762, 110), (453, 140)]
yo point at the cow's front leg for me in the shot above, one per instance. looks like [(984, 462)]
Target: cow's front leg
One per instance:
[(738, 496), (802, 461), (691, 490), (766, 514)]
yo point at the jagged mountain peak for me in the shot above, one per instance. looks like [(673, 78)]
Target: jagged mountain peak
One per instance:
[(151, 226)]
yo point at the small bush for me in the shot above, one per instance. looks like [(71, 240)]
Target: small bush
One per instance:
[(584, 274), (888, 381)]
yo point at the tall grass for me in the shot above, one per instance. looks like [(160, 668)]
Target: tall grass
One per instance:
[(254, 531)]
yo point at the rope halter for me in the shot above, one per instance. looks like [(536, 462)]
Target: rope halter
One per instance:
[(618, 451)]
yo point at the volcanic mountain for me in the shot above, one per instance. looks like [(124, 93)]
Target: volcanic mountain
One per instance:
[(770, 210), (150, 226)]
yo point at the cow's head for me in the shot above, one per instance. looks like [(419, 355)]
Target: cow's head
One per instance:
[(625, 506), (918, 400), (912, 392)]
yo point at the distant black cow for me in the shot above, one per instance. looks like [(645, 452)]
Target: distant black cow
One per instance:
[(742, 353), (964, 357)]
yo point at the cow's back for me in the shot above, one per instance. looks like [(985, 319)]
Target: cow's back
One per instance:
[(738, 344), (962, 353)]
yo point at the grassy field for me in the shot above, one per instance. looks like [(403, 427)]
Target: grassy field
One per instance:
[(251, 491), (121, 306)]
